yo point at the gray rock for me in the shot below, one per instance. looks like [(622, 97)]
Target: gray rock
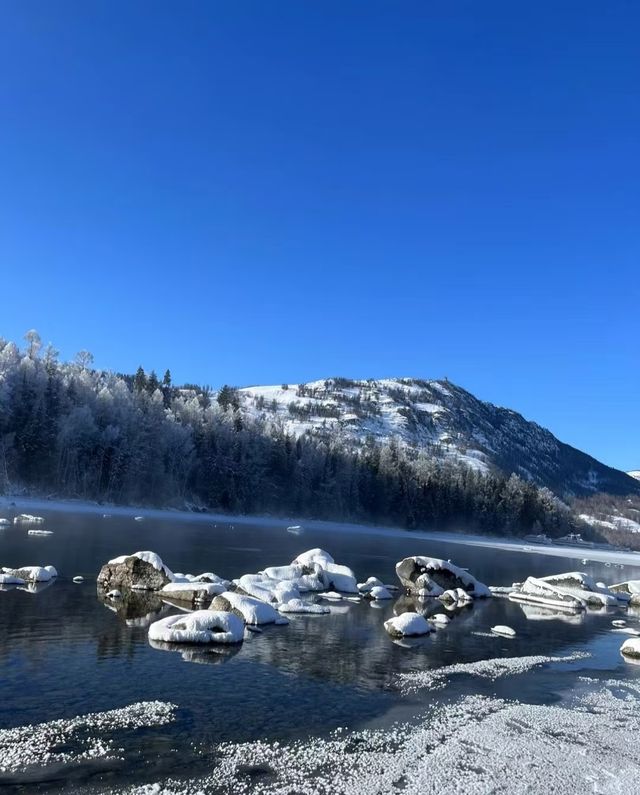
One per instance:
[(131, 571)]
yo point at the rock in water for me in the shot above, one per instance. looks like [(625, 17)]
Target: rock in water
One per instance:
[(407, 625), (433, 576), (631, 648), (142, 570), (203, 626)]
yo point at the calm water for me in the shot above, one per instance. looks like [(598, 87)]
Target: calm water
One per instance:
[(65, 653)]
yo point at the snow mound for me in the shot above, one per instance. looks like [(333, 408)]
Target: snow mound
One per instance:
[(407, 625), (379, 592), (202, 626)]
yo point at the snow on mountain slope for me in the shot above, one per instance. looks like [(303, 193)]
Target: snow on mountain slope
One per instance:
[(439, 418), (635, 473)]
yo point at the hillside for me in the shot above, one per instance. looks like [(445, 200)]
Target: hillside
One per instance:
[(439, 418)]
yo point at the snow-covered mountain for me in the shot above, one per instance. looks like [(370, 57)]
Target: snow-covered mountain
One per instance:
[(635, 473), (438, 417)]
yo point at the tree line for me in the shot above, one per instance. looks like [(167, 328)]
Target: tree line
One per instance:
[(72, 430)]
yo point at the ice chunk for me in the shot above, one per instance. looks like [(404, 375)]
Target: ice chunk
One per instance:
[(202, 626)]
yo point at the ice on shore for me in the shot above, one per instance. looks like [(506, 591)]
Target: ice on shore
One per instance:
[(61, 742), (201, 626)]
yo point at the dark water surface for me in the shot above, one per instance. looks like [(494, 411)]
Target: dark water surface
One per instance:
[(64, 653)]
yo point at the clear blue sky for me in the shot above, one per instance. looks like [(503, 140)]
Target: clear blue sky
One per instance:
[(258, 192)]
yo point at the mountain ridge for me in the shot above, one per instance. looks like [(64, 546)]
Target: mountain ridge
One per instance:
[(440, 417)]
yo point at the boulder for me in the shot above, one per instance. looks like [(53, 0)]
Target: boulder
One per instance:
[(140, 571), (433, 576), (32, 573)]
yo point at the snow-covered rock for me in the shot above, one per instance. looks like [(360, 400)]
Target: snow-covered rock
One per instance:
[(251, 610), (435, 576), (192, 592), (439, 618), (407, 625), (78, 578), (372, 582), (573, 590), (40, 532), (142, 570), (317, 555), (378, 592), (27, 518), (629, 590), (202, 626), (4, 522), (32, 573), (300, 606), (631, 648), (501, 629)]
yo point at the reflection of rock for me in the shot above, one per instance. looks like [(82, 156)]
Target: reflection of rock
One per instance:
[(35, 587), (543, 613), (204, 655), (142, 570), (432, 576), (133, 604)]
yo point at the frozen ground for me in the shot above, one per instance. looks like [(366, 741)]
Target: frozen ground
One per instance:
[(512, 545), (475, 746)]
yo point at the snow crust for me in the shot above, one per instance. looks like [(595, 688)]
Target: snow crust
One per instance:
[(65, 741), (475, 745)]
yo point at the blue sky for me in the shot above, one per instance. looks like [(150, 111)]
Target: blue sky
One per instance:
[(253, 192)]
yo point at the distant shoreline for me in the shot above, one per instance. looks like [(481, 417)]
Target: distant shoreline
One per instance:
[(31, 504)]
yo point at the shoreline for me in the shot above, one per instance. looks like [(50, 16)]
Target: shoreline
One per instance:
[(447, 536)]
